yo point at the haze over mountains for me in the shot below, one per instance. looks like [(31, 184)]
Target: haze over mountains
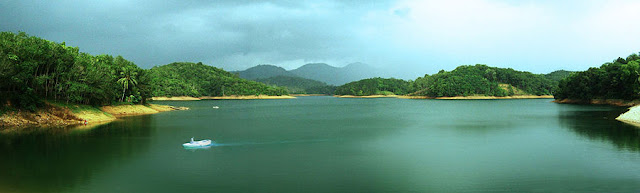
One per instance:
[(315, 71)]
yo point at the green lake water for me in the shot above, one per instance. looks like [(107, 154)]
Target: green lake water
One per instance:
[(326, 144)]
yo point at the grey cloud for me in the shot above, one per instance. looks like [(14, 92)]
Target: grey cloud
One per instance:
[(407, 38), (153, 33)]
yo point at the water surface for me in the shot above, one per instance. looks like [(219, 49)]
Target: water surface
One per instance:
[(326, 144)]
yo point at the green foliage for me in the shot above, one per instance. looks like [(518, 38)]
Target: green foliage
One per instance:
[(558, 75), (263, 71), (613, 80), (481, 80), (197, 79), (32, 69), (375, 86), (299, 85)]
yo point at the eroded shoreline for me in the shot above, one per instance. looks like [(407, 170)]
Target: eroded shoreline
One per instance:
[(53, 115)]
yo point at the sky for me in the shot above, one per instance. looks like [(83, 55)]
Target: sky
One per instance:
[(405, 38)]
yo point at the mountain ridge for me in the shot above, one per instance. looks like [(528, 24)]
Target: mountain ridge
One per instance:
[(322, 72)]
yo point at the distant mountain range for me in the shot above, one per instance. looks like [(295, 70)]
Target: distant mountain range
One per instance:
[(314, 71)]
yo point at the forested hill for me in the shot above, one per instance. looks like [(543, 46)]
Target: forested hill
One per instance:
[(558, 75), (33, 69), (314, 71), (298, 85), (334, 75), (375, 86), (263, 71), (613, 80), (482, 80), (197, 79)]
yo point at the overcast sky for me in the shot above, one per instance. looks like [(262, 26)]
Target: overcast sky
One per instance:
[(407, 38)]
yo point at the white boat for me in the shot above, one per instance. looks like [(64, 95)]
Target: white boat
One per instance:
[(201, 143), (215, 107)]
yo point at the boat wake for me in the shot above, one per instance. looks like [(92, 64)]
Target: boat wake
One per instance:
[(267, 143)]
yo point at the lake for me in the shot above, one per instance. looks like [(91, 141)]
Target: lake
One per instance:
[(326, 144)]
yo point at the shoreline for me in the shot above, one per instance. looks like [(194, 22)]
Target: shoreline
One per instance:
[(232, 97), (297, 95), (495, 97), (450, 98), (176, 98), (367, 96), (53, 115), (614, 102)]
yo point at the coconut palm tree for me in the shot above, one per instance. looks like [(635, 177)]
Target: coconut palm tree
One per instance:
[(127, 78)]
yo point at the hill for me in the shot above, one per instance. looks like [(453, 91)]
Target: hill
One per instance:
[(482, 80), (558, 75), (334, 75), (315, 71), (298, 85), (263, 71), (375, 86), (197, 79), (613, 80)]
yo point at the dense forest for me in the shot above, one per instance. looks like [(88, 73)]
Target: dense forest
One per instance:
[(558, 75), (197, 79), (375, 86), (33, 69), (481, 79), (613, 80), (298, 85)]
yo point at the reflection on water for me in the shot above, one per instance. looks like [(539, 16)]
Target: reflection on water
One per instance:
[(598, 123), (55, 159), (326, 144)]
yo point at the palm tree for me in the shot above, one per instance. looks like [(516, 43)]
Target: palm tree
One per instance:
[(127, 77)]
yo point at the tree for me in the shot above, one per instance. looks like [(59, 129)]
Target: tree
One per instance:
[(127, 77)]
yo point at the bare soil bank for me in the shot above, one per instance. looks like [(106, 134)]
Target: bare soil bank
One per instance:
[(53, 115), (615, 102)]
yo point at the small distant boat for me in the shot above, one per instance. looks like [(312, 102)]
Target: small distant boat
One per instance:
[(215, 107), (195, 144)]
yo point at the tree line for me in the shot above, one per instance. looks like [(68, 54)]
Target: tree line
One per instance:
[(298, 85), (197, 79), (481, 79), (613, 80), (33, 70), (375, 86)]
